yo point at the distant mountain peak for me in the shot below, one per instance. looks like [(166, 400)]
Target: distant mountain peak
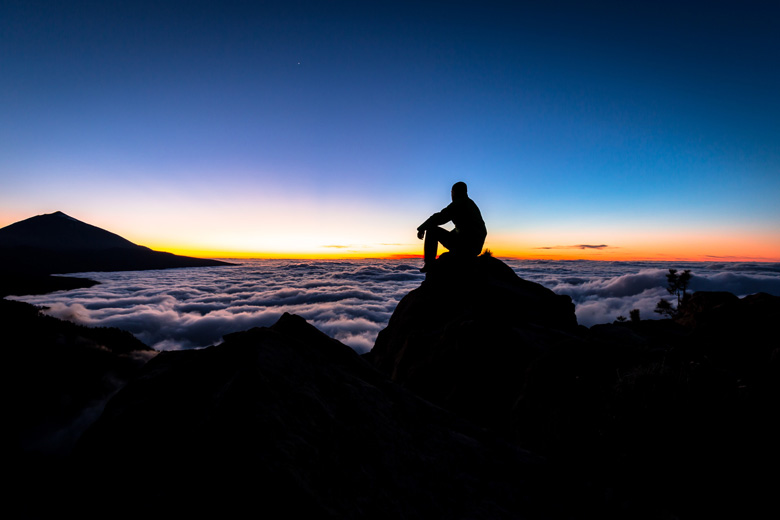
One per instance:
[(58, 231), (58, 243), (61, 215)]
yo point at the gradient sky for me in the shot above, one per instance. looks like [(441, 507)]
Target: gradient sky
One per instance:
[(601, 130)]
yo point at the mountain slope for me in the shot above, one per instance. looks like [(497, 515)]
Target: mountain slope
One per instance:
[(58, 231), (58, 243)]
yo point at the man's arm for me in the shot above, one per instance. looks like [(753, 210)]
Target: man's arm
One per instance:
[(433, 221), (437, 219)]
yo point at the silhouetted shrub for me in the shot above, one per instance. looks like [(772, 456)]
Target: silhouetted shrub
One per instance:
[(677, 286)]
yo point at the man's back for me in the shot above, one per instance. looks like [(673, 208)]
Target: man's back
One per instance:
[(467, 218)]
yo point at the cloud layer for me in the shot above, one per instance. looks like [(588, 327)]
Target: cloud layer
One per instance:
[(353, 300), (187, 308), (602, 291)]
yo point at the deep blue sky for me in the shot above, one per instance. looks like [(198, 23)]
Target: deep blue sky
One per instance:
[(649, 127)]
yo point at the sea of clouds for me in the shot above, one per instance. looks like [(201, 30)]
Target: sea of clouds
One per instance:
[(353, 300), (603, 291)]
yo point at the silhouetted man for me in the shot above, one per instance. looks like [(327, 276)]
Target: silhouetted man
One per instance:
[(469, 234)]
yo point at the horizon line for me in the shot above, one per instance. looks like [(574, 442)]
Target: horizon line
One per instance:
[(415, 256)]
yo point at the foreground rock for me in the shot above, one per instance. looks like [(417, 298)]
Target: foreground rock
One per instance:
[(59, 376), (661, 418), (287, 419), (483, 398), (465, 337)]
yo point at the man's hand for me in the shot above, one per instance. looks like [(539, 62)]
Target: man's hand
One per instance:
[(420, 234)]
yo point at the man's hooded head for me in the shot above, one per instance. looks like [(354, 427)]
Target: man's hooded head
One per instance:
[(459, 191)]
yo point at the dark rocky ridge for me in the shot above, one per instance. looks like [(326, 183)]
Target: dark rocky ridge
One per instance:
[(19, 284), (57, 243), (291, 419), (482, 399), (60, 375)]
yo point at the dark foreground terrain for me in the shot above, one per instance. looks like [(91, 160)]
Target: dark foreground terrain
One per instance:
[(482, 398)]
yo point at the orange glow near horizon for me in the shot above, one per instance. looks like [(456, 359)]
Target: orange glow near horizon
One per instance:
[(707, 245), (530, 255), (696, 252), (282, 255)]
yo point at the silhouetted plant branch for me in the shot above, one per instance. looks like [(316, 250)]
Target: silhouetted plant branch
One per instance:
[(677, 286)]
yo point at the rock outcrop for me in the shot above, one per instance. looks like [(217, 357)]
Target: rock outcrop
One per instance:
[(667, 418), (464, 338)]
